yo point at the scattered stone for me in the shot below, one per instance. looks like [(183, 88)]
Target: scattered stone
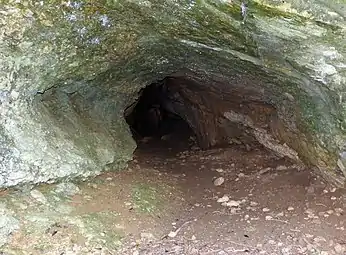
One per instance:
[(325, 191), (286, 251), (280, 214), (340, 249), (240, 175), (319, 239), (338, 210), (219, 181), (147, 236), (268, 217), (310, 189), (219, 170), (223, 199), (67, 189), (333, 198), (252, 203), (272, 242), (234, 210), (333, 190), (263, 171), (232, 203), (38, 196), (290, 208), (265, 209), (281, 168)]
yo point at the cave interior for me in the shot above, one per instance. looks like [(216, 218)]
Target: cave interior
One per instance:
[(179, 108)]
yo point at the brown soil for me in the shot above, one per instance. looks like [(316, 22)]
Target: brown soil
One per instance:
[(278, 207)]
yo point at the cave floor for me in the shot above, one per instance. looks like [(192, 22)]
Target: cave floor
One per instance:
[(166, 202)]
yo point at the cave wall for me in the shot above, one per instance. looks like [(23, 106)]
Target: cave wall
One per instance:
[(69, 69)]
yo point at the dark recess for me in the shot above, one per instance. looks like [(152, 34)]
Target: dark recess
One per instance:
[(153, 114)]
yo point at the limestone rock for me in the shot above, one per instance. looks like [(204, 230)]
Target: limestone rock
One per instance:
[(69, 71)]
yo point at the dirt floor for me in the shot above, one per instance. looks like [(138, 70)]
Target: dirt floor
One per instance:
[(177, 199), (265, 205)]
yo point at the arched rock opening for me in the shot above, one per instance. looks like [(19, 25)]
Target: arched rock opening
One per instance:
[(69, 71), (218, 114)]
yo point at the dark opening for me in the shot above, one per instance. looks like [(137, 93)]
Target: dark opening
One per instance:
[(153, 115)]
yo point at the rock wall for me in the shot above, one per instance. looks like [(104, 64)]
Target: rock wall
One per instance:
[(69, 69)]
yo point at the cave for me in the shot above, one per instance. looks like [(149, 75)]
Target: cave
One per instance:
[(153, 114), (68, 104), (186, 108), (191, 91)]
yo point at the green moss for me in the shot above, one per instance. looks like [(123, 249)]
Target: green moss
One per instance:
[(146, 198), (101, 225)]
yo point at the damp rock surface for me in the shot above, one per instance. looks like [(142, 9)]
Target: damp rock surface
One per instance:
[(68, 71)]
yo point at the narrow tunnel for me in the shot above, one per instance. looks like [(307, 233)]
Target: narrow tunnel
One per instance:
[(153, 115), (197, 114)]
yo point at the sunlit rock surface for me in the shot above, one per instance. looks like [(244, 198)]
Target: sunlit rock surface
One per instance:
[(68, 70)]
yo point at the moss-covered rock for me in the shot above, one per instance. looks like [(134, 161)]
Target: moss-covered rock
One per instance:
[(68, 69)]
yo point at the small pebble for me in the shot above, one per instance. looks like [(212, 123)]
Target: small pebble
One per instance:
[(340, 249), (265, 209), (232, 203), (223, 199), (333, 198), (338, 210), (290, 208), (268, 217), (219, 181), (272, 242), (311, 190), (36, 194)]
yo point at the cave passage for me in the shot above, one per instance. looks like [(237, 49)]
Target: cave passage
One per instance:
[(179, 108), (153, 115)]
